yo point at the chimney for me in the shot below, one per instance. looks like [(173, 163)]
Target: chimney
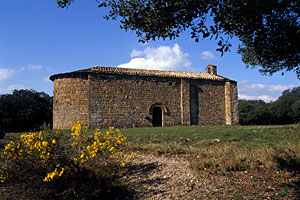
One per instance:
[(211, 69)]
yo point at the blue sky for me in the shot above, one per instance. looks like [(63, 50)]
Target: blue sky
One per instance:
[(37, 39)]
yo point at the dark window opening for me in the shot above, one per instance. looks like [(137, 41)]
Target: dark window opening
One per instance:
[(157, 117)]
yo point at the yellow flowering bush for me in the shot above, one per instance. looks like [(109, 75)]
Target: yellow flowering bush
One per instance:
[(106, 146), (51, 175), (48, 154), (29, 155)]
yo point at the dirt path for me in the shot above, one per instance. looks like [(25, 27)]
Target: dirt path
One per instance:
[(170, 177), (163, 177)]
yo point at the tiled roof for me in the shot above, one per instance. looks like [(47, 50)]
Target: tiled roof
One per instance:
[(143, 72)]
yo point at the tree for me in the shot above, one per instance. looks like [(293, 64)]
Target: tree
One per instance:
[(25, 110), (285, 110), (254, 112), (296, 111), (269, 30), (259, 116)]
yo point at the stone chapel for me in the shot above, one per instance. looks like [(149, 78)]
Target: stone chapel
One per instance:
[(120, 97)]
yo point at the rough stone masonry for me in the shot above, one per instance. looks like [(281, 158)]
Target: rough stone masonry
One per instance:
[(120, 97)]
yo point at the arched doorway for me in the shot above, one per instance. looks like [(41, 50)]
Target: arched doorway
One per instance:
[(157, 116)]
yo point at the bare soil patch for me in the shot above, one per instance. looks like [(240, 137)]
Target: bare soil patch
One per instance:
[(171, 177)]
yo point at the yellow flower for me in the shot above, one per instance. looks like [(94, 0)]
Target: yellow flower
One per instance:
[(61, 172), (84, 148)]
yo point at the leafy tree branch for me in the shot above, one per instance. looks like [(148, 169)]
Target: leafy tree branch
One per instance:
[(269, 30)]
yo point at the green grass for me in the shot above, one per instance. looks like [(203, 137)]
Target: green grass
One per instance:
[(197, 135), (221, 147)]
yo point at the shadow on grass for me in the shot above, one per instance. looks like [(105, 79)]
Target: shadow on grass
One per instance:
[(82, 185), (288, 163), (291, 164), (296, 185)]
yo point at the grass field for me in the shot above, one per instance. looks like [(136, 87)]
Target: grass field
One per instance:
[(195, 135), (220, 147), (265, 158), (223, 147)]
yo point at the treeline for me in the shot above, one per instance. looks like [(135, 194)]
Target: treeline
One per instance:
[(25, 110), (285, 110)]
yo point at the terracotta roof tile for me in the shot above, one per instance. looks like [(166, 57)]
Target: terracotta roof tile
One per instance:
[(143, 72)]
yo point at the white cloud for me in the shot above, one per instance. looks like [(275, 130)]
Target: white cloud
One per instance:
[(135, 53), (265, 98), (5, 74), (10, 88), (207, 55), (260, 91), (161, 58), (34, 67), (244, 86)]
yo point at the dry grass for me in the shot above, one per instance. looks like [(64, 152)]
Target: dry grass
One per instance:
[(240, 157), (224, 148), (237, 156)]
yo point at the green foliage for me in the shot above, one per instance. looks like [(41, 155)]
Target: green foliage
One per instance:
[(259, 116), (25, 110), (254, 112), (285, 110), (268, 30), (296, 111), (63, 3)]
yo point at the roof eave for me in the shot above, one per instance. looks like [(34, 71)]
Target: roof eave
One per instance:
[(91, 71)]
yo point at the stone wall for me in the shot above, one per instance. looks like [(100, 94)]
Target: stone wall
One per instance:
[(185, 102), (125, 101), (207, 102), (231, 103), (103, 100), (234, 103), (70, 101), (228, 113)]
